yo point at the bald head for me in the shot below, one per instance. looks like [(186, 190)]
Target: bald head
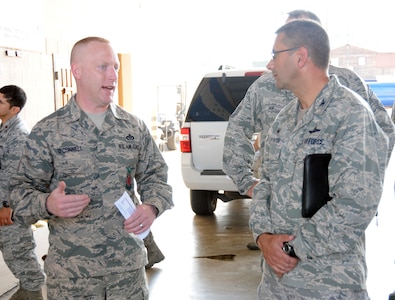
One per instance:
[(81, 44)]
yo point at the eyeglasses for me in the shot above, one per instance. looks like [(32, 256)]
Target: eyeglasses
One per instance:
[(274, 53)]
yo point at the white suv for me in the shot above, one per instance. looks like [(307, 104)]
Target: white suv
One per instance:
[(203, 133)]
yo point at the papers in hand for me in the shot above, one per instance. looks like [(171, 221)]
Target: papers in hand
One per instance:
[(126, 207)]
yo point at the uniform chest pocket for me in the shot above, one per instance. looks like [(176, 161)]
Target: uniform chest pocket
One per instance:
[(124, 166), (73, 162), (126, 157)]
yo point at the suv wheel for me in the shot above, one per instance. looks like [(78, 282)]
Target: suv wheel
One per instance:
[(203, 202), (173, 141)]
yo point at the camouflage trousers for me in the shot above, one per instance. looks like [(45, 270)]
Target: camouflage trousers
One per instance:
[(273, 289), (17, 245), (130, 285)]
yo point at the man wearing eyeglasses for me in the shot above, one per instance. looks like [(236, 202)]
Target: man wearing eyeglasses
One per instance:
[(260, 106), (321, 256)]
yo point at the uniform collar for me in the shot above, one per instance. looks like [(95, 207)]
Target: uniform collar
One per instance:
[(10, 122), (75, 110)]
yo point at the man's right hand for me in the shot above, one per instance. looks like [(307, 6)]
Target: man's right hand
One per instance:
[(66, 206), (271, 248), (5, 216)]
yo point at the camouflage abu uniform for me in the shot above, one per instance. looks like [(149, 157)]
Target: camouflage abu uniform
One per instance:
[(16, 241), (260, 106), (102, 164), (330, 245)]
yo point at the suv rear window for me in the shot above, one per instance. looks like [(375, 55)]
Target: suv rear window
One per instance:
[(217, 97)]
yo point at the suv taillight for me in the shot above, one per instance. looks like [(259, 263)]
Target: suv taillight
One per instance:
[(185, 140), (254, 73)]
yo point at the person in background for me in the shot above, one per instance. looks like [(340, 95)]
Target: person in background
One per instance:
[(154, 254), (77, 163), (260, 106), (16, 241), (322, 257)]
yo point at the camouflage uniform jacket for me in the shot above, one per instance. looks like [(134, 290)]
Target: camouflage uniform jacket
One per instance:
[(331, 244), (13, 135), (67, 146), (260, 106)]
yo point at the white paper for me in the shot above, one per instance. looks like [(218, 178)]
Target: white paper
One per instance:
[(126, 206)]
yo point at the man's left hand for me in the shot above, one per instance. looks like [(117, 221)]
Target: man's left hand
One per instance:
[(141, 219)]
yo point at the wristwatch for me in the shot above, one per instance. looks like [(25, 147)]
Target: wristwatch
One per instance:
[(6, 204), (289, 249)]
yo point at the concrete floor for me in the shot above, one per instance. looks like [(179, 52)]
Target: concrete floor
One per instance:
[(188, 241)]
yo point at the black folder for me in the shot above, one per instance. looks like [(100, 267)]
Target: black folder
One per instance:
[(315, 191)]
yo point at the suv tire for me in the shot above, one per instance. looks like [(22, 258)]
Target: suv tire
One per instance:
[(203, 202), (173, 140)]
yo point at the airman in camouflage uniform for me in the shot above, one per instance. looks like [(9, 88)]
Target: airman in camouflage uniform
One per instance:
[(77, 163), (328, 259), (16, 241), (260, 106)]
